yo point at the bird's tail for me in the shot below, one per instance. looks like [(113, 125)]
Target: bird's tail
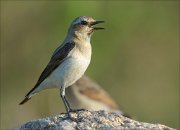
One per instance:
[(27, 98), (32, 92)]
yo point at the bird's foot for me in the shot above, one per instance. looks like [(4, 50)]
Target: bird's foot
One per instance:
[(75, 117), (77, 110)]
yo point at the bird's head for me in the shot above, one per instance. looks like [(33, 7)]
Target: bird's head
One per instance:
[(84, 26)]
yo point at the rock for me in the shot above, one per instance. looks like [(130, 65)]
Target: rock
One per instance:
[(89, 120)]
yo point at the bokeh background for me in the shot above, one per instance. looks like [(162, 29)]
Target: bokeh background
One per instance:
[(135, 59)]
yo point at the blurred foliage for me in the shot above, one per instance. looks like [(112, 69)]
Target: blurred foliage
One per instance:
[(135, 59)]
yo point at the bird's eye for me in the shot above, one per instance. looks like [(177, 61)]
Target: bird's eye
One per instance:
[(83, 22)]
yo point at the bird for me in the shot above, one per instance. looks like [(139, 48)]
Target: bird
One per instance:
[(69, 61), (87, 94)]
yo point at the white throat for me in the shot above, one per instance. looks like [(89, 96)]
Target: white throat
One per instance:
[(83, 36)]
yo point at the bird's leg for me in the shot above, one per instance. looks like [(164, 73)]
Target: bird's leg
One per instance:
[(70, 109), (66, 104), (73, 110)]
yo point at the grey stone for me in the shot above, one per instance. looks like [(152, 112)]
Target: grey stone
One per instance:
[(90, 120)]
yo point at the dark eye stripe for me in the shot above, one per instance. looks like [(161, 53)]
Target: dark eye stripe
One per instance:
[(83, 22)]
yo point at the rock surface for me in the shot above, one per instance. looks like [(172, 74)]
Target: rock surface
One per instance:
[(89, 120)]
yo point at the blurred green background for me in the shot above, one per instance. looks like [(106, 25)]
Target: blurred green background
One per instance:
[(135, 59)]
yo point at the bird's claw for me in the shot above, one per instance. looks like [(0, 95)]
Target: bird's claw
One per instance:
[(77, 110), (74, 111)]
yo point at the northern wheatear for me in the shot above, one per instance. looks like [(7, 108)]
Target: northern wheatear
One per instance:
[(87, 94), (69, 61)]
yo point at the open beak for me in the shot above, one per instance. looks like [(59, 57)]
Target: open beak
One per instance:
[(96, 22)]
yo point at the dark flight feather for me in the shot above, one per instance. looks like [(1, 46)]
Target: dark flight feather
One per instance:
[(59, 55)]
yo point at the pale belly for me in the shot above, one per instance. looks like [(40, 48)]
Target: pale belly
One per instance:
[(68, 72)]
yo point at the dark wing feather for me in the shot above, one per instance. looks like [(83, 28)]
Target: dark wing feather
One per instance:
[(55, 61)]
